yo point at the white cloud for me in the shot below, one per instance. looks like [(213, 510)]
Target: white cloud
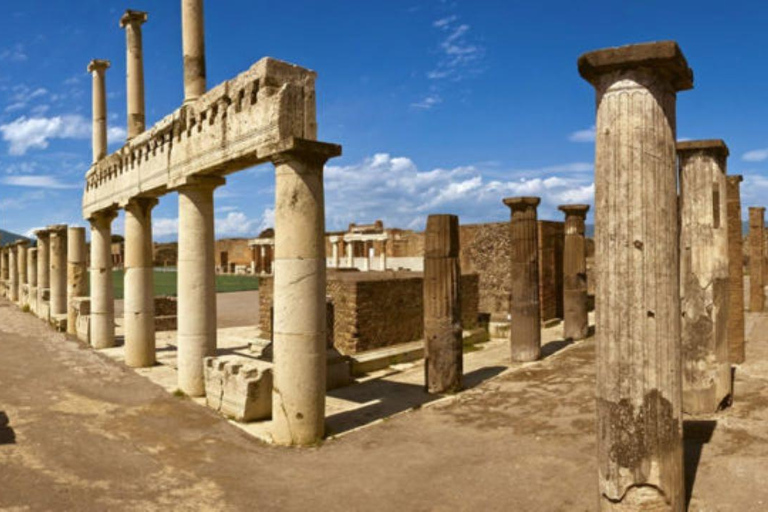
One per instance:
[(428, 102), (587, 135), (37, 182), (27, 133), (163, 227), (756, 155), (116, 134), (460, 56), (16, 53)]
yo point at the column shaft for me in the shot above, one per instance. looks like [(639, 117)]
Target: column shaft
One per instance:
[(756, 254), (575, 314), (193, 38), (58, 270), (735, 271), (131, 22), (77, 274), (43, 270), (13, 273), (102, 286), (98, 69), (444, 350)]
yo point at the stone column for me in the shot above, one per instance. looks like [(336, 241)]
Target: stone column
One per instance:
[(639, 385), (704, 275), (32, 267), (77, 274), (43, 267), (139, 306), (102, 285), (525, 330), (367, 257), (13, 273), (196, 282), (193, 39), (262, 259), (756, 276), (575, 313), (132, 21), (298, 397), (58, 270), (383, 255), (735, 271), (98, 69), (335, 251), (350, 254), (444, 349), (22, 261)]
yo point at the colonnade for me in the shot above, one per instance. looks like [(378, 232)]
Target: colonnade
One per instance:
[(343, 250)]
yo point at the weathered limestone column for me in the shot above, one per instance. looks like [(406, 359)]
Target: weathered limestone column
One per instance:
[(525, 331), (43, 268), (77, 274), (639, 384), (704, 275), (193, 39), (13, 273), (98, 69), (58, 270), (132, 21), (367, 259), (21, 258), (756, 267), (298, 397), (383, 255), (196, 282), (444, 348), (735, 271), (350, 254), (335, 251), (575, 311), (139, 307), (102, 286), (32, 279)]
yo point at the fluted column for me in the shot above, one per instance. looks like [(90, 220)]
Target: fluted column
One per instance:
[(13, 273), (444, 349), (132, 21), (196, 282), (193, 39), (525, 330), (735, 271), (58, 270), (575, 312), (98, 69), (77, 274), (756, 255), (139, 310), (102, 285), (298, 398), (21, 258), (32, 279), (704, 275), (639, 384), (43, 270)]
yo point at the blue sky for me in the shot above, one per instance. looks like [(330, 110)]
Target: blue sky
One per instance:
[(442, 106)]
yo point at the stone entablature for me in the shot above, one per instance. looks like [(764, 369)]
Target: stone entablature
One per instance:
[(238, 124)]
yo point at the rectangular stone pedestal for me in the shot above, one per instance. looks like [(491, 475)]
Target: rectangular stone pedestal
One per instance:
[(240, 389)]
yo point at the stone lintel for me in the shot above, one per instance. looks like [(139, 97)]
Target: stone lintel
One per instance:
[(522, 203), (98, 65), (714, 147), (132, 16), (737, 178), (574, 209), (663, 57)]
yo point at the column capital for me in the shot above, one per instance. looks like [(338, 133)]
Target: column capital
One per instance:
[(294, 148), (42, 232), (734, 178), (141, 202), (579, 210), (57, 229), (714, 147), (98, 65), (196, 181), (132, 17), (522, 203), (757, 209), (107, 215), (662, 58), (21, 243)]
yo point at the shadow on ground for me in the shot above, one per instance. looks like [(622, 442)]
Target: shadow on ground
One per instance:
[(696, 433), (7, 435)]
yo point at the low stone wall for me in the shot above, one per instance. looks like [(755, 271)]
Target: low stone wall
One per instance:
[(166, 308), (375, 309)]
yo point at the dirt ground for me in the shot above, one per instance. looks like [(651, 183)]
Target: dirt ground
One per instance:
[(85, 433)]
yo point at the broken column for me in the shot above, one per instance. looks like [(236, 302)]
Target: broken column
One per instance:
[(98, 69), (525, 331), (43, 272), (132, 21), (575, 311), (139, 310), (756, 267), (13, 273), (102, 286), (193, 40), (443, 344), (299, 329), (196, 282), (735, 271), (77, 274), (58, 271), (704, 275), (639, 384)]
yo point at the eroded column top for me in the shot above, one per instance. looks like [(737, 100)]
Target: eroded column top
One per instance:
[(578, 210), (21, 243), (42, 233), (757, 209), (735, 178), (98, 65), (662, 58), (132, 17), (57, 229), (713, 147), (522, 203)]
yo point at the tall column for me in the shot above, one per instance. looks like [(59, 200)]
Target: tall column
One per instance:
[(444, 349), (576, 316), (77, 274), (32, 279), (298, 397), (756, 270), (197, 282), (193, 39), (139, 310), (704, 275), (639, 385), (58, 270), (102, 286), (262, 259), (367, 256), (98, 69), (350, 254), (335, 251), (43, 267), (132, 21), (13, 273), (383, 255), (735, 271), (525, 331), (22, 262)]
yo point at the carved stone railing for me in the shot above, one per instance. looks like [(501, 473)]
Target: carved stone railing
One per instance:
[(236, 125)]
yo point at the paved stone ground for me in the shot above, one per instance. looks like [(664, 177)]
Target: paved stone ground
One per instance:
[(85, 433)]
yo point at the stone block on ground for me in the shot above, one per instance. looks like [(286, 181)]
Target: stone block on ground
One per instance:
[(240, 389), (82, 314)]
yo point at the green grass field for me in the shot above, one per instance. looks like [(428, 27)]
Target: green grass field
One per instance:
[(165, 283)]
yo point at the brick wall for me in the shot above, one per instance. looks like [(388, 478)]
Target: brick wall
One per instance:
[(238, 252)]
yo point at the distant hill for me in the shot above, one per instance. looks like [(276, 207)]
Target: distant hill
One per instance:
[(7, 237)]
